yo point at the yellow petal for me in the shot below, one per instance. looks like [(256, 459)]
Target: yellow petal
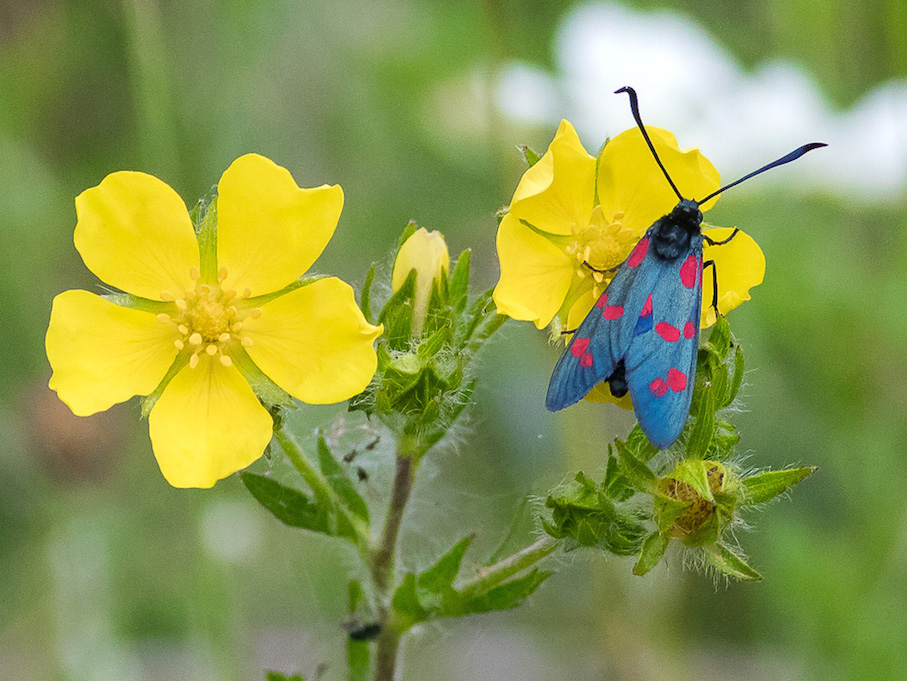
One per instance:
[(103, 354), (207, 425), (269, 231), (134, 233), (740, 264), (314, 342), (426, 252), (630, 181), (535, 274), (556, 194)]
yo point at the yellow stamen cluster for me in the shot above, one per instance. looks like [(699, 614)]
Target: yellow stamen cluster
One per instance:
[(209, 319), (602, 244)]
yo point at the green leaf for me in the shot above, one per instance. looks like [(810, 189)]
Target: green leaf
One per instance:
[(406, 601), (445, 571), (763, 487), (459, 282), (528, 155), (340, 482), (729, 563), (288, 505), (636, 471), (507, 595), (700, 436), (431, 345), (366, 296), (653, 550)]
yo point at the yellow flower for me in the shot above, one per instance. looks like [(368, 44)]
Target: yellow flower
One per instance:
[(426, 253), (566, 212), (207, 316)]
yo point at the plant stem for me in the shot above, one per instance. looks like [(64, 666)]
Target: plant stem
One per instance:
[(383, 568), (489, 577)]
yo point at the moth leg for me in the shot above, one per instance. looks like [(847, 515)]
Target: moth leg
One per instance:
[(711, 263), (607, 271), (712, 242)]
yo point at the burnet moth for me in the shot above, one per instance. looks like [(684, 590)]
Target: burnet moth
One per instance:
[(642, 336)]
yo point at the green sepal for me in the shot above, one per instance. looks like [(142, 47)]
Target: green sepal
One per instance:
[(635, 470), (271, 394), (366, 297), (729, 563), (207, 244), (763, 487), (529, 156), (437, 314), (720, 338), (700, 435), (155, 307), (737, 379), (581, 510), (151, 399), (652, 551), (397, 315), (667, 511), (299, 283), (459, 282), (340, 482), (407, 232)]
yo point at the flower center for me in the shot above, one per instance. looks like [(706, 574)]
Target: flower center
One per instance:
[(208, 319), (602, 245)]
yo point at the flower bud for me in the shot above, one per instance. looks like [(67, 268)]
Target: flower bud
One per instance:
[(426, 253), (697, 501)]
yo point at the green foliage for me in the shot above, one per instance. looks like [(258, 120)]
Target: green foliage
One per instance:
[(277, 676), (423, 381), (431, 594), (330, 514)]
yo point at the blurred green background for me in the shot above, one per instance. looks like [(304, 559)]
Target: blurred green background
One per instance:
[(108, 573)]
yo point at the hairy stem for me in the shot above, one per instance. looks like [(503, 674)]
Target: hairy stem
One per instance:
[(488, 577), (382, 568)]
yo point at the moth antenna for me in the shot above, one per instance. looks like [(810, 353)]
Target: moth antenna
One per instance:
[(792, 156), (634, 107)]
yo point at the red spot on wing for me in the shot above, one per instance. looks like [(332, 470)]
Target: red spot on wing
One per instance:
[(579, 346), (668, 332), (689, 330), (658, 387), (613, 311), (677, 380), (699, 270), (586, 360), (639, 252), (688, 271), (603, 300), (647, 308)]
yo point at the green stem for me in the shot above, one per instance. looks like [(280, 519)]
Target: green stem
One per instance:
[(320, 487), (383, 568), (489, 577)]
